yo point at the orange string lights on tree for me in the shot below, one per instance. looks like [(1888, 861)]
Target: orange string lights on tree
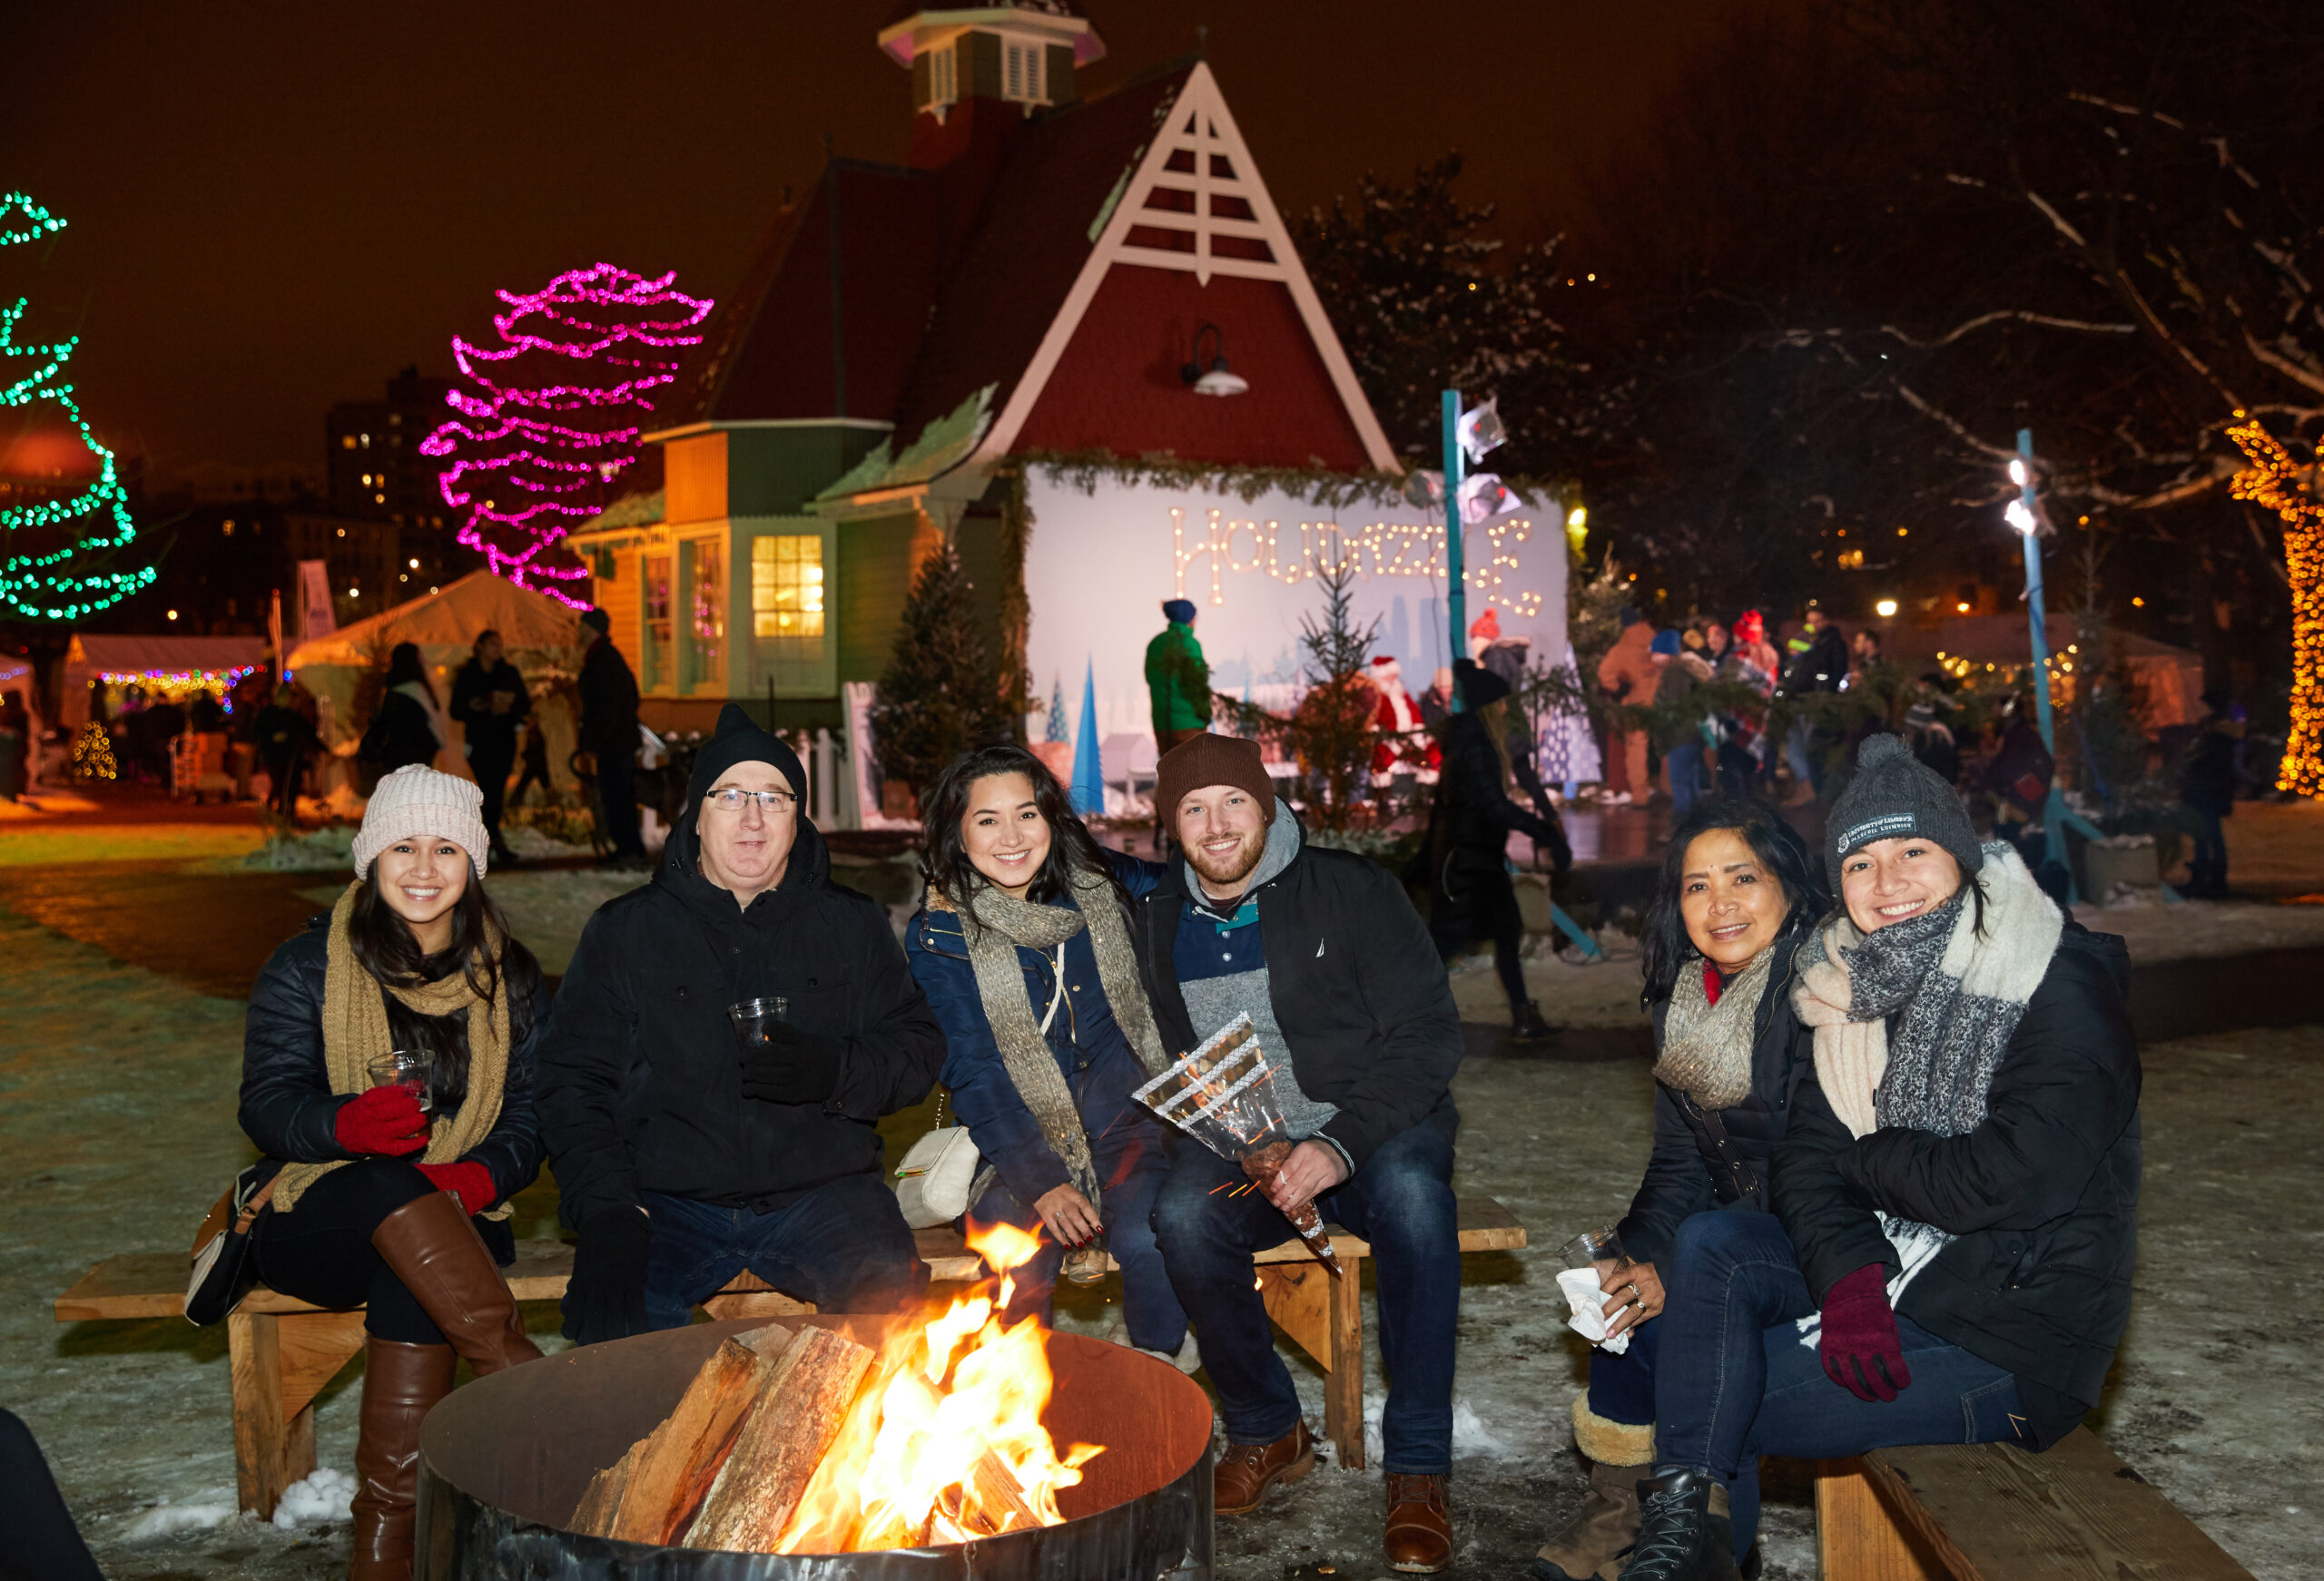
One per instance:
[(2271, 480)]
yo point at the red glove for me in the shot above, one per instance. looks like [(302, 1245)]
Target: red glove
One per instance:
[(468, 1181), (384, 1120), (1859, 1346)]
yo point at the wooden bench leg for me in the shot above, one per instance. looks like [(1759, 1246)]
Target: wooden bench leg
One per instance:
[(1857, 1537), (1344, 1389), (278, 1365)]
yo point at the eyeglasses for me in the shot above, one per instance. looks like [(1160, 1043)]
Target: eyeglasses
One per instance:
[(771, 802)]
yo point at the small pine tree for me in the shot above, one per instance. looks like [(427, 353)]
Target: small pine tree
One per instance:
[(1056, 731), (940, 693), (1331, 729)]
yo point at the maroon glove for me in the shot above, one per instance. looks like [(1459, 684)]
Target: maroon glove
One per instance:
[(466, 1180), (1859, 1346), (384, 1120)]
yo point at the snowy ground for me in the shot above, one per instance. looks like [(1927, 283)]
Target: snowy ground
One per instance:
[(116, 1127)]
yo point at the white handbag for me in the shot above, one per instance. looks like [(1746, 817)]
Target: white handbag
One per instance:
[(939, 1177)]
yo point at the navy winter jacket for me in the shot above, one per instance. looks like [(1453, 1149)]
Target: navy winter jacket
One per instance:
[(1092, 1052), (288, 1108)]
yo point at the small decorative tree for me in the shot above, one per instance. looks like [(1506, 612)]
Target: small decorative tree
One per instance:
[(1331, 728), (940, 693), (1056, 729)]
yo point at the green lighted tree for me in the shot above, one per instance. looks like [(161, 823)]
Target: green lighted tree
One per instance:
[(63, 540)]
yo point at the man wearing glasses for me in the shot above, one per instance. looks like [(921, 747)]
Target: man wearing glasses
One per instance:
[(685, 1151)]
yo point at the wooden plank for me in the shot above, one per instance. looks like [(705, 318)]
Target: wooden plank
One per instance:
[(1344, 1390), (672, 1468), (2077, 1513), (254, 1363), (1297, 1298), (782, 1440), (313, 1347), (136, 1284), (1857, 1537), (601, 1500)]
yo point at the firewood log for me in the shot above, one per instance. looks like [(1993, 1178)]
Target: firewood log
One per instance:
[(594, 1515), (799, 1412), (677, 1464)]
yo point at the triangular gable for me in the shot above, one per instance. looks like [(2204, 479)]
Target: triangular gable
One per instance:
[(1199, 158)]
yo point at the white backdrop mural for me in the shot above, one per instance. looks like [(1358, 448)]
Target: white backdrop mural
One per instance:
[(1099, 565)]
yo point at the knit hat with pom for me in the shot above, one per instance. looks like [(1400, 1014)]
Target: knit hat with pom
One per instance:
[(418, 802), (1895, 794)]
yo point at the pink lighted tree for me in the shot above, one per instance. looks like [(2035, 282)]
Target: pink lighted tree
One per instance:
[(549, 419)]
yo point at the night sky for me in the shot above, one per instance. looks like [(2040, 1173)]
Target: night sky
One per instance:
[(274, 207)]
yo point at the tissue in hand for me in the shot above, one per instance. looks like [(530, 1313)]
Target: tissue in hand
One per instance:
[(1590, 1315)]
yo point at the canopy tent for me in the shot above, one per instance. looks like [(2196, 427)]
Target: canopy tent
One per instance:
[(2170, 679), (167, 665), (541, 636)]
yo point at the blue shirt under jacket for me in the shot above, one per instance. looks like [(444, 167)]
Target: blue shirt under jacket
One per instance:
[(1092, 1053)]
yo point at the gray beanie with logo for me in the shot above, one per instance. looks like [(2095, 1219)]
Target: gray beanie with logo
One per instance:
[(1895, 794)]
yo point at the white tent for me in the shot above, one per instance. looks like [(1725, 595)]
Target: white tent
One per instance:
[(153, 659), (543, 638)]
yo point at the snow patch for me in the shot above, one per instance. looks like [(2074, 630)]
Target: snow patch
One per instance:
[(321, 1497), (165, 1520), (1471, 1436)]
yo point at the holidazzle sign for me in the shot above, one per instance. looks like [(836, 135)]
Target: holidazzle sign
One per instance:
[(1220, 545)]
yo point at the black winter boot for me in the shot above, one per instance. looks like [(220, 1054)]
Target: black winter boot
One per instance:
[(1684, 1532), (1526, 1025)]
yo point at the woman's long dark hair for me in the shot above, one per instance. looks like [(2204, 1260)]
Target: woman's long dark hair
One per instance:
[(1781, 851), (385, 947), (403, 665), (944, 861)]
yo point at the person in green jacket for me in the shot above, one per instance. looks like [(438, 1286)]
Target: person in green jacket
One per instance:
[(1177, 679)]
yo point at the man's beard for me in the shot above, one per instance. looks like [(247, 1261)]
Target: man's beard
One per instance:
[(1232, 869)]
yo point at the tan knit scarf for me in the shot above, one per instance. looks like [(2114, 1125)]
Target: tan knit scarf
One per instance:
[(993, 930), (355, 1032), (1707, 1047)]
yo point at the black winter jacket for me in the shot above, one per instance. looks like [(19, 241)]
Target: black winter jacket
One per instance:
[(488, 732), (641, 1075), (1708, 1159), (608, 700), (399, 735), (2043, 1194), (1357, 988), (288, 1108)]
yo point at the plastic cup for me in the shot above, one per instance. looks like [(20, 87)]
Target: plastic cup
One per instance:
[(1085, 1264), (406, 1067), (1600, 1249), (754, 1020)]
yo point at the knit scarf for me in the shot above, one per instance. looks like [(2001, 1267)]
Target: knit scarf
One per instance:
[(994, 929), (1707, 1047), (1957, 996), (355, 1032)]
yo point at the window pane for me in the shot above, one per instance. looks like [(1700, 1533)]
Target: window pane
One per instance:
[(707, 617), (787, 585)]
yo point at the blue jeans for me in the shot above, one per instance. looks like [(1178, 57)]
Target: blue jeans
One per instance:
[(1400, 1201), (1130, 1171), (844, 1246), (1686, 762), (1733, 1382), (1622, 1388)]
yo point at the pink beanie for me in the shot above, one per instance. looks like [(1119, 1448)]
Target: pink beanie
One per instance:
[(416, 800)]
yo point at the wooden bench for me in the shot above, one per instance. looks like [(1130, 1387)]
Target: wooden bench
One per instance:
[(281, 1351), (1993, 1512)]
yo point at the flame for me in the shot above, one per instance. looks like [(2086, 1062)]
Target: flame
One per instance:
[(922, 1460)]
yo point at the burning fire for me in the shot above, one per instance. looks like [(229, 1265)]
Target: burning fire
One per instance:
[(946, 1444)]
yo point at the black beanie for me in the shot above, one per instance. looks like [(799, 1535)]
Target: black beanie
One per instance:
[(739, 738), (1895, 794), (1479, 687)]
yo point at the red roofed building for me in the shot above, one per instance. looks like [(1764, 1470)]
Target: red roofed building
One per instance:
[(951, 347)]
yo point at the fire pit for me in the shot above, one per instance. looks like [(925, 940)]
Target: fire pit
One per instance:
[(505, 1460)]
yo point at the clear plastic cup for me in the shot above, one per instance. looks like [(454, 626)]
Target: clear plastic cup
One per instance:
[(1601, 1249), (1086, 1263), (407, 1067), (754, 1020)]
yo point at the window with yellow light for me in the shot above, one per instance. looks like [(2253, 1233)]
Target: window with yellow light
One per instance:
[(787, 585)]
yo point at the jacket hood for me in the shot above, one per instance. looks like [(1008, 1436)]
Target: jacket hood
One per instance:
[(1284, 840), (680, 870)]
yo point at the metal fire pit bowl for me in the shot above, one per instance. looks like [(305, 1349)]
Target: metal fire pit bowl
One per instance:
[(505, 1459)]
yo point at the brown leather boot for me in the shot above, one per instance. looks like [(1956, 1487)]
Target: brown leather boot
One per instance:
[(442, 1261), (400, 1382), (1246, 1471), (1596, 1542), (1419, 1532)]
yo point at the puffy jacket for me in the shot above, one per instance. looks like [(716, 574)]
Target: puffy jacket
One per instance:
[(1628, 669), (641, 1075), (1092, 1053), (288, 1108), (1822, 666), (2043, 1195), (608, 700), (1707, 1159), (472, 691), (1356, 986), (1177, 680)]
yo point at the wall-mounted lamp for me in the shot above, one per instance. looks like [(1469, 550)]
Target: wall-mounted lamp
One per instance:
[(1212, 379)]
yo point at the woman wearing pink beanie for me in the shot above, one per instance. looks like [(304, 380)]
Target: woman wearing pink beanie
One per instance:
[(391, 1186)]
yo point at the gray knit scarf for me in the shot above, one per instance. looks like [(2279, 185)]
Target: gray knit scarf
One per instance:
[(1707, 1047), (1958, 994), (995, 924)]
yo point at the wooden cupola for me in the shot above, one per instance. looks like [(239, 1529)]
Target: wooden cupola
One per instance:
[(988, 64)]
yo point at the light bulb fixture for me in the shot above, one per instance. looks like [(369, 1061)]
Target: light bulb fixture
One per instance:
[(1884, 608), (2017, 515), (1212, 379)]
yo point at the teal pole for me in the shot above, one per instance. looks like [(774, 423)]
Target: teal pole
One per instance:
[(2053, 807), (1457, 600)]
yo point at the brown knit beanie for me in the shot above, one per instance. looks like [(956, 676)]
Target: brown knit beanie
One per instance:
[(1210, 759)]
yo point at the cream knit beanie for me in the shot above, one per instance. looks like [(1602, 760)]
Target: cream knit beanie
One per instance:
[(416, 800)]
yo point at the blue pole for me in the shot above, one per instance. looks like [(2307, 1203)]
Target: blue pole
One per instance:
[(2054, 806), (1457, 600)]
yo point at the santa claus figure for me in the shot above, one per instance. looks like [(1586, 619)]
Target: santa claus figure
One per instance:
[(1404, 743)]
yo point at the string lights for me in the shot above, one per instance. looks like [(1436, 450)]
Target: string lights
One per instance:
[(68, 578), (2271, 481), (555, 412)]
